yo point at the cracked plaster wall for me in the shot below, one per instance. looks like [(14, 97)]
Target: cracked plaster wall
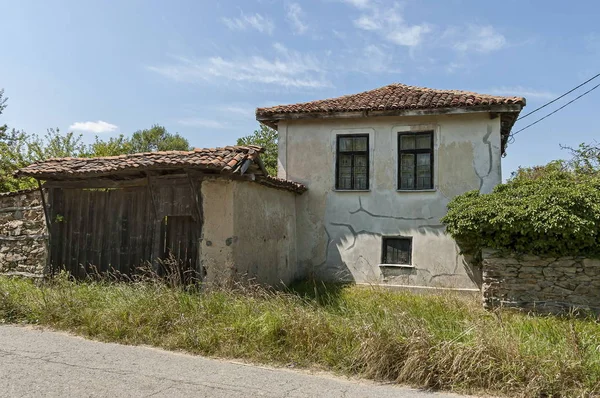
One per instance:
[(249, 233), (340, 233)]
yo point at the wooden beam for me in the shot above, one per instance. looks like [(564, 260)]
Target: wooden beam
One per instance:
[(194, 192), (151, 194), (96, 183)]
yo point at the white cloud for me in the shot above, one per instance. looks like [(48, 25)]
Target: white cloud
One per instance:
[(254, 21), (93, 127), (295, 14), (390, 25), (197, 122), (359, 3), (374, 59), (288, 69), (522, 91), (482, 39), (246, 111)]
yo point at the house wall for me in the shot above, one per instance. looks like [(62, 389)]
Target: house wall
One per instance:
[(23, 234), (249, 233), (340, 232)]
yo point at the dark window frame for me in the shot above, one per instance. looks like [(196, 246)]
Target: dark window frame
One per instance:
[(415, 151), (385, 260), (353, 153)]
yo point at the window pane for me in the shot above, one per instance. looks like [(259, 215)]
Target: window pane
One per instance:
[(407, 166), (397, 251), (345, 172), (360, 172), (424, 141), (423, 171), (345, 144), (360, 144), (407, 142)]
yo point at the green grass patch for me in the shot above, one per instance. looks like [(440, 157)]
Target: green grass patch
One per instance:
[(433, 341)]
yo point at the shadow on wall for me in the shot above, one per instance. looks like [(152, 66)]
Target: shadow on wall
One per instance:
[(345, 264)]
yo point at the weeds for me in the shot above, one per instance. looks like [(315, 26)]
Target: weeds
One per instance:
[(437, 341)]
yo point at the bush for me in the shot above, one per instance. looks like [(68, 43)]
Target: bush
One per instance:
[(547, 210)]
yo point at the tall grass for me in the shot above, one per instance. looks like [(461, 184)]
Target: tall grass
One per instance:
[(436, 341)]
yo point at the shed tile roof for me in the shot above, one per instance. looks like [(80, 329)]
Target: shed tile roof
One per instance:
[(227, 160), (394, 97)]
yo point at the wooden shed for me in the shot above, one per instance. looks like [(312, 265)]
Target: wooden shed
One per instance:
[(116, 213)]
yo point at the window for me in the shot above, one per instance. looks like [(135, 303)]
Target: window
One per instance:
[(352, 162), (415, 161), (397, 251)]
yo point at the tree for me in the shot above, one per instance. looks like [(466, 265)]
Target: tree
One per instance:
[(157, 138), (113, 147), (267, 138)]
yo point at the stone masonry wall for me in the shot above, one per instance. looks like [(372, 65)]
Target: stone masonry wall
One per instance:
[(540, 284), (23, 234)]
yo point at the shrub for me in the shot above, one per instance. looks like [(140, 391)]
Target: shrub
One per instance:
[(546, 210)]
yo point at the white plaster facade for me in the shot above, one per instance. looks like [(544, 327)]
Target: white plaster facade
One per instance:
[(249, 233), (339, 233)]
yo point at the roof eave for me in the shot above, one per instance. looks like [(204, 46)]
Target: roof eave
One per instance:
[(272, 119)]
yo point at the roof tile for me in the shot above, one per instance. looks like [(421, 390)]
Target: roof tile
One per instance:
[(393, 97), (224, 160)]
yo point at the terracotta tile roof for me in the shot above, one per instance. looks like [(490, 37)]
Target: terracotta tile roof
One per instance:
[(275, 182), (219, 159), (393, 97), (227, 160)]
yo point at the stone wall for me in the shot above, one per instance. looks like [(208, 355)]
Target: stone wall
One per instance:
[(541, 284), (23, 235)]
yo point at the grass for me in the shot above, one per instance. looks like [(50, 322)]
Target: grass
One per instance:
[(443, 342)]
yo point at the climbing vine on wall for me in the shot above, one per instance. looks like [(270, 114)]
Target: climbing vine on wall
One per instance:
[(547, 210)]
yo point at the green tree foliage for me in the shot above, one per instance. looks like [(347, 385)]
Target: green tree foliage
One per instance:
[(157, 138), (114, 146), (546, 210), (265, 137), (18, 149)]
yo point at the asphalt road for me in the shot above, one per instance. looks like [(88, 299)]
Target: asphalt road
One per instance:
[(37, 363)]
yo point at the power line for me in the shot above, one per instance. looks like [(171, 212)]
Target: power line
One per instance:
[(552, 113), (556, 99)]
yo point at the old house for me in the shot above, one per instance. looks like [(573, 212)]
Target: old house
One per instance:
[(216, 211), (380, 168)]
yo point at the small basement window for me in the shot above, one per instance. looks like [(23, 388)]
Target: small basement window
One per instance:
[(397, 251)]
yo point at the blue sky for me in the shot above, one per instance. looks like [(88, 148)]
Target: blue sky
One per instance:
[(201, 67)]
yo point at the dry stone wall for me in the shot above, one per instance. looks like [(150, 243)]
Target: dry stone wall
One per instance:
[(541, 284), (23, 234)]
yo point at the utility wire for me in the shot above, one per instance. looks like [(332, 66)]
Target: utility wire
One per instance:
[(552, 113), (556, 99)]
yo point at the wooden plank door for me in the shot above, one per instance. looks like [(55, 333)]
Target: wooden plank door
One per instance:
[(181, 245)]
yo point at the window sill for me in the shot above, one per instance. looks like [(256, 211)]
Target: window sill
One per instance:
[(416, 190), (397, 265), (352, 190)]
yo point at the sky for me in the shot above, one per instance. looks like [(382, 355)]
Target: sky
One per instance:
[(201, 68)]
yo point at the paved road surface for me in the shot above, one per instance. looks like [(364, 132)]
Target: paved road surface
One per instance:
[(36, 363)]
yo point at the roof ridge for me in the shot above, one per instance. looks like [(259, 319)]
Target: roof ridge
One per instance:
[(236, 148), (395, 96)]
